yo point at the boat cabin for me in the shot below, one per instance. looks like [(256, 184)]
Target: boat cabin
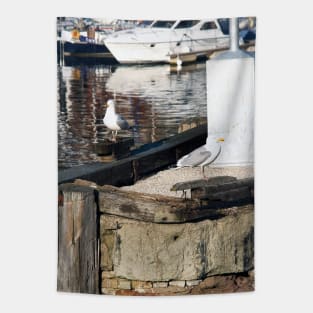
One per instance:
[(222, 24)]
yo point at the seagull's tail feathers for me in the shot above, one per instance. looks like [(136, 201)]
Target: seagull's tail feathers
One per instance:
[(184, 161)]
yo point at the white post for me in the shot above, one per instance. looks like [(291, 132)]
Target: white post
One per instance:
[(230, 103), (233, 30)]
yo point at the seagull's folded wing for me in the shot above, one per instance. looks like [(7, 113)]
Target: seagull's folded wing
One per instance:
[(195, 157), (121, 122)]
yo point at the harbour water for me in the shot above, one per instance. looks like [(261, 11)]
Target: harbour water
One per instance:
[(155, 100)]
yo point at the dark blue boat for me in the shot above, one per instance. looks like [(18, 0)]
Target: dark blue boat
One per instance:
[(86, 49), (84, 53)]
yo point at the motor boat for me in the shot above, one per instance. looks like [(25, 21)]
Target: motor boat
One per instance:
[(165, 40)]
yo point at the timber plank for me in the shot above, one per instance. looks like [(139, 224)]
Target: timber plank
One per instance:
[(243, 188), (156, 161), (191, 184), (156, 208), (234, 194)]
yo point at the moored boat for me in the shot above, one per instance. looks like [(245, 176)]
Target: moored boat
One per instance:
[(165, 39), (89, 43)]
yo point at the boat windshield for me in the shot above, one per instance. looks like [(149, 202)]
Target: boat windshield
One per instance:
[(208, 25), (224, 24), (187, 23), (163, 24)]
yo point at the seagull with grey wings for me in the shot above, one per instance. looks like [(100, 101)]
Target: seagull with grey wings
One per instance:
[(202, 156), (114, 121)]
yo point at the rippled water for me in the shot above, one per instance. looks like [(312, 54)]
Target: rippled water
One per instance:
[(154, 99)]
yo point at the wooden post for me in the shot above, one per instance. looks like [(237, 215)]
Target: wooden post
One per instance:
[(78, 246)]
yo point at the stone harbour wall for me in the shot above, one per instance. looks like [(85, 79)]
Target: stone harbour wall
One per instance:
[(209, 256)]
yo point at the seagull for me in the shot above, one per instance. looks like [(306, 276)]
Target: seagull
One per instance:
[(114, 121), (202, 156)]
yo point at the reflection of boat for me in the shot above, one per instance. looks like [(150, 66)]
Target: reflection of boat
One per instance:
[(156, 99), (164, 40), (156, 82)]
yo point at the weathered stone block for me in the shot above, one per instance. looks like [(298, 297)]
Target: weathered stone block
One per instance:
[(109, 283), (137, 284), (177, 283), (193, 282), (109, 274), (160, 284), (108, 291), (124, 284), (190, 251)]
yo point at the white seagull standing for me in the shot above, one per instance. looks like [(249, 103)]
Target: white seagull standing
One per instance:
[(202, 156), (113, 120)]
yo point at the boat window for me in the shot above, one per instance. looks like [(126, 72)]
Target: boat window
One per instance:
[(208, 25), (163, 24), (187, 23), (224, 23), (144, 23)]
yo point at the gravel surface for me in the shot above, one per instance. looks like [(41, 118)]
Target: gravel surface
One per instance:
[(162, 182)]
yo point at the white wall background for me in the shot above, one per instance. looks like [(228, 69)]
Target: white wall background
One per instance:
[(28, 222)]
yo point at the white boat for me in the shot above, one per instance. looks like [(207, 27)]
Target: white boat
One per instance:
[(164, 40)]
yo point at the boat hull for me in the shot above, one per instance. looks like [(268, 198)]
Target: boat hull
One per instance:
[(86, 49), (163, 52)]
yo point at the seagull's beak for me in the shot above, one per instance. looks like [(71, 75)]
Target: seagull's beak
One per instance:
[(105, 105), (220, 140)]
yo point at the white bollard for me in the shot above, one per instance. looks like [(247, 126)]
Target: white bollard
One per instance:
[(230, 106)]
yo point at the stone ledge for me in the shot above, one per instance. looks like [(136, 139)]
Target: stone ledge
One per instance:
[(241, 282)]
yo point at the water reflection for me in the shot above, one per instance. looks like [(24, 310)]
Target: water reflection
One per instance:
[(154, 99)]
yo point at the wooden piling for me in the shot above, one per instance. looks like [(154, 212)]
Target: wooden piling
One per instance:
[(78, 246), (118, 149)]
